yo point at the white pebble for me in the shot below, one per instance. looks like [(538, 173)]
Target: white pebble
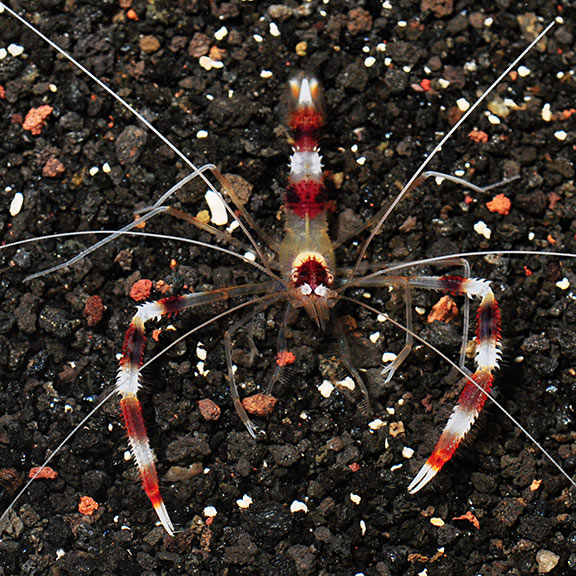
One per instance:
[(266, 74), (523, 71), (355, 498), (94, 170), (210, 511), (493, 119), (16, 204), (546, 112), (106, 168), (481, 228), (326, 388), (201, 352), (258, 38), (462, 104), (248, 255), (244, 502), (218, 213), (561, 135), (208, 63), (274, 30), (3, 53), (374, 337), (369, 62), (15, 50), (347, 383), (376, 424), (444, 83), (221, 33), (298, 506), (201, 134), (563, 284), (388, 357), (362, 527), (361, 160), (407, 452)]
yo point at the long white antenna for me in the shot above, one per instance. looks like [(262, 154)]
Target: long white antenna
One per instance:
[(447, 137)]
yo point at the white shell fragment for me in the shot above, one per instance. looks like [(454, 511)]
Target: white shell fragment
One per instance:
[(274, 30), (326, 388), (376, 424), (388, 357), (355, 498), (298, 506), (546, 112), (15, 50), (201, 352), (221, 33), (523, 71), (347, 383), (462, 104), (244, 502), (16, 204), (407, 452), (561, 135), (210, 511), (563, 284), (218, 214), (208, 63), (481, 228)]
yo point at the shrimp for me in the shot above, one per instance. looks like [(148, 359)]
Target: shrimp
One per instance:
[(365, 463)]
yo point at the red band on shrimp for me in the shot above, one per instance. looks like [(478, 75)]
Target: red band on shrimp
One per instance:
[(306, 198)]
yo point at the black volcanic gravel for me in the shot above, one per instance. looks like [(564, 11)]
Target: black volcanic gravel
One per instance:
[(56, 361)]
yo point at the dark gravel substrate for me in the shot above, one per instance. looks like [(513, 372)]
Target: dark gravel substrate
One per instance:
[(54, 364)]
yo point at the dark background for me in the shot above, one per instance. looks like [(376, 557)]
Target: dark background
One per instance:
[(50, 358)]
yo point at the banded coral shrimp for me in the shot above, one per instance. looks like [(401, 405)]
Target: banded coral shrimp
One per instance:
[(392, 532)]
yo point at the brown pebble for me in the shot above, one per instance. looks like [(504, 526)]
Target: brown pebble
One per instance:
[(53, 168), (440, 8), (199, 45), (359, 21), (259, 404), (209, 409), (149, 44)]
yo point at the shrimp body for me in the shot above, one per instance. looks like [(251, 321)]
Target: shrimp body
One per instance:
[(306, 253)]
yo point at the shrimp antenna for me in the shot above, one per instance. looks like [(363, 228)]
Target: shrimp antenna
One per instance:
[(409, 185), (140, 117)]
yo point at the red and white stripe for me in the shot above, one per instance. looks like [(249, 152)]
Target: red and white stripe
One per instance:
[(486, 360)]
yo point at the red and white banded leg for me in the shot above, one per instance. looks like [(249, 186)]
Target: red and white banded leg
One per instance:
[(486, 359), (129, 380)]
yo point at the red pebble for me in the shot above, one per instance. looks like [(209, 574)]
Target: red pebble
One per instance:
[(93, 310), (141, 290)]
